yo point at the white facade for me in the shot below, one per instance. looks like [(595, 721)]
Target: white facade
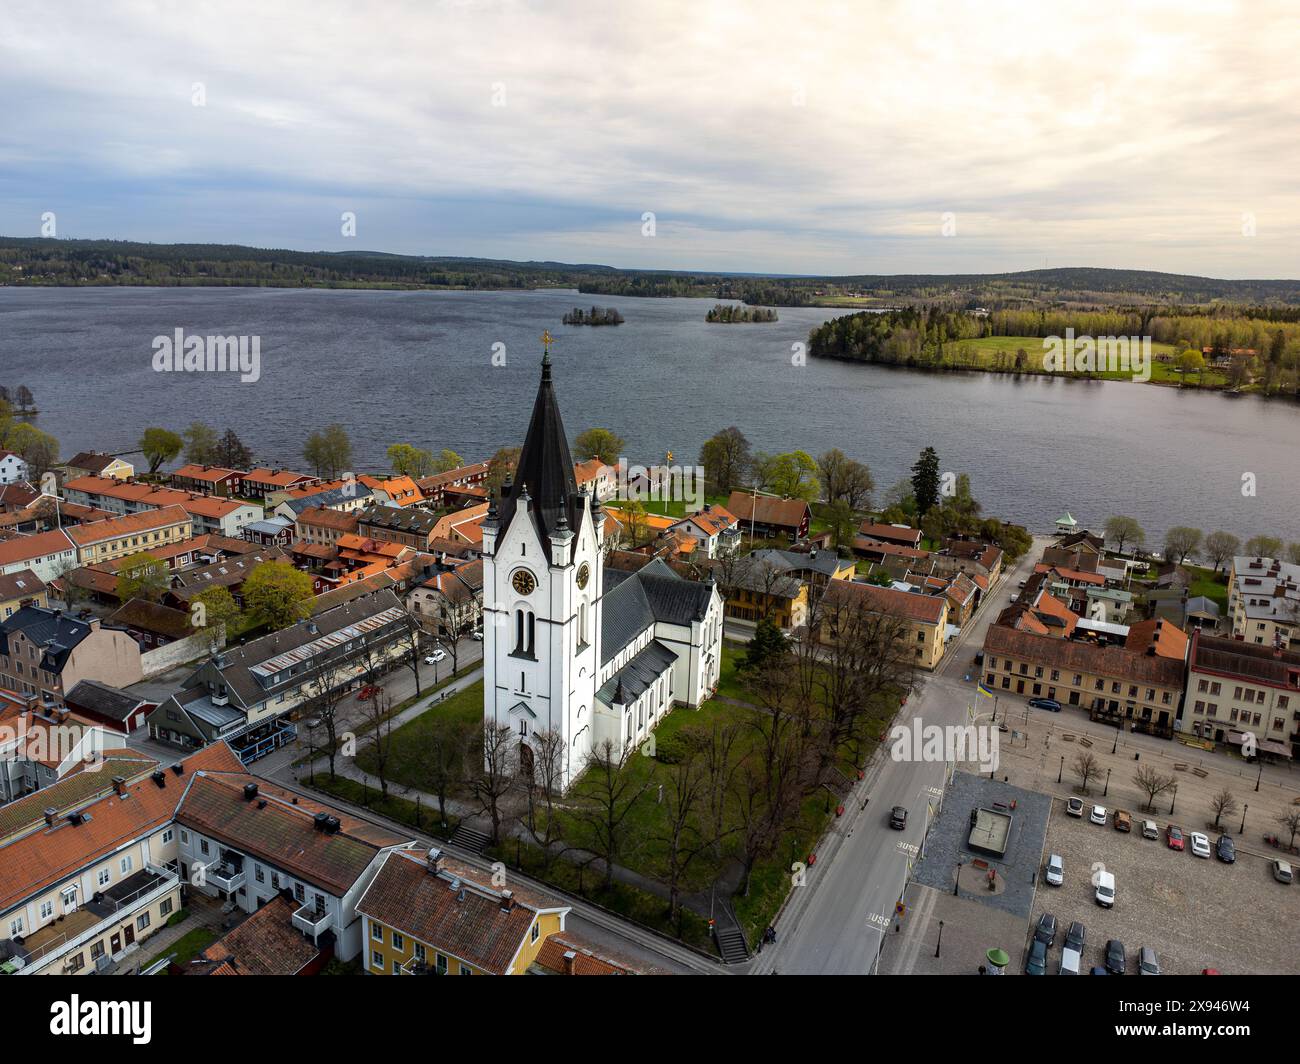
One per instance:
[(541, 649), (12, 468)]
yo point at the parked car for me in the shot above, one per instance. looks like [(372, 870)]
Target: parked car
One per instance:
[(1225, 850), (1200, 845), (1097, 969), (1149, 830), (1055, 874), (313, 722), (1049, 704), (1105, 889), (979, 657), (437, 656), (476, 636), (1070, 959), (1147, 962), (898, 818), (1074, 807), (1116, 962), (1074, 936), (1175, 837), (1045, 932), (1282, 871), (1098, 815), (1123, 822), (369, 691), (1036, 962)]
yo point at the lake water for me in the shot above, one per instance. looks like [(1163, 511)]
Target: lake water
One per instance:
[(417, 367)]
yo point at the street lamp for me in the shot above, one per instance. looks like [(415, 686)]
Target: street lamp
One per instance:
[(1243, 819), (939, 944)]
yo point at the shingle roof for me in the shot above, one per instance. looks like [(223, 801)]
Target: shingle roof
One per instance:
[(767, 510), (266, 943), (279, 832), (928, 609), (638, 675), (468, 922), (103, 700), (1076, 656)]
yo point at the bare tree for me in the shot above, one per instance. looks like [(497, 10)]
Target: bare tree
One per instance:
[(1290, 820), (1222, 804), (327, 689), (683, 793), (494, 778), (1150, 781), (381, 736), (1086, 768), (543, 787), (409, 647), (613, 789)]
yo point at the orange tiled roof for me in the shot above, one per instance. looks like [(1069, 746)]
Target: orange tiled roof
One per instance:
[(128, 525)]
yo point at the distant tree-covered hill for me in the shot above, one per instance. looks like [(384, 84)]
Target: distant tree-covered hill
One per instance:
[(42, 261)]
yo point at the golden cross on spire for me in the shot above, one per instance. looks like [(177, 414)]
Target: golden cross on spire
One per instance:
[(547, 340)]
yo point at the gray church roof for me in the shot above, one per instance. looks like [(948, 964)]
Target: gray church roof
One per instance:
[(634, 601), (638, 675)]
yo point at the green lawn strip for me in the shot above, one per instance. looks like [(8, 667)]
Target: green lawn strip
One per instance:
[(187, 947), (418, 815)]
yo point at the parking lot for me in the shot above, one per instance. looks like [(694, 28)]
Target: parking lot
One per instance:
[(1195, 913)]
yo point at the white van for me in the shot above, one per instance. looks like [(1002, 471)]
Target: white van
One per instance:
[(1105, 889), (1069, 962), (1055, 870)]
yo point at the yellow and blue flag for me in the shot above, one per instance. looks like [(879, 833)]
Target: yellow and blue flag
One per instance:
[(985, 691)]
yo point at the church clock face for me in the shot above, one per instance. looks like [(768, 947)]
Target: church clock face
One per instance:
[(523, 582), (584, 574)]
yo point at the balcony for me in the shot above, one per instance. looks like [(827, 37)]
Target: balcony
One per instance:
[(418, 966), (227, 873), (104, 913), (307, 920)]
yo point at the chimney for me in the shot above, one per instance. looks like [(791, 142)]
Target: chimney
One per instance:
[(570, 958), (250, 791), (160, 778), (507, 901), (50, 814), (119, 786), (319, 820), (433, 860)]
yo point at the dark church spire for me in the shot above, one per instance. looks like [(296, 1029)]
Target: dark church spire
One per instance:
[(545, 468)]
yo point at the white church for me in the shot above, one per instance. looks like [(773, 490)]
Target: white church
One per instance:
[(568, 646)]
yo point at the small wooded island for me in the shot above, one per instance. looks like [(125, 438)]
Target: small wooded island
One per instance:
[(728, 314), (594, 316)]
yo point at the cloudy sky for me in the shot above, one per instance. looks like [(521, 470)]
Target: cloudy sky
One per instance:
[(782, 137)]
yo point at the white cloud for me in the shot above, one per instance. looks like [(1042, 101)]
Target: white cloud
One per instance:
[(780, 136)]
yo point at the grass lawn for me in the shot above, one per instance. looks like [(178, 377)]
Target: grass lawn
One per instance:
[(418, 815), (999, 352), (676, 507), (187, 947), (1208, 583)]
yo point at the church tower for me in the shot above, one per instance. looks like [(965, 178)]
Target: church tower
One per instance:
[(542, 588)]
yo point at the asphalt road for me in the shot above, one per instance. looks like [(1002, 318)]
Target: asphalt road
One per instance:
[(835, 923)]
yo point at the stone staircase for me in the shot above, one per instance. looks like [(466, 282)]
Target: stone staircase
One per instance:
[(471, 839)]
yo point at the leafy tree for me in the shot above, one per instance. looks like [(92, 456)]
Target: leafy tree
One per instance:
[(1191, 361), (38, 449), (501, 466), (277, 594), (599, 443), (793, 474), (200, 444), (218, 608), (1263, 546), (925, 481), (844, 479), (767, 645), (447, 460), (1182, 542), (231, 452), (1121, 530), (410, 461), (141, 576), (160, 446), (1219, 547), (329, 451), (725, 457), (843, 523)]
